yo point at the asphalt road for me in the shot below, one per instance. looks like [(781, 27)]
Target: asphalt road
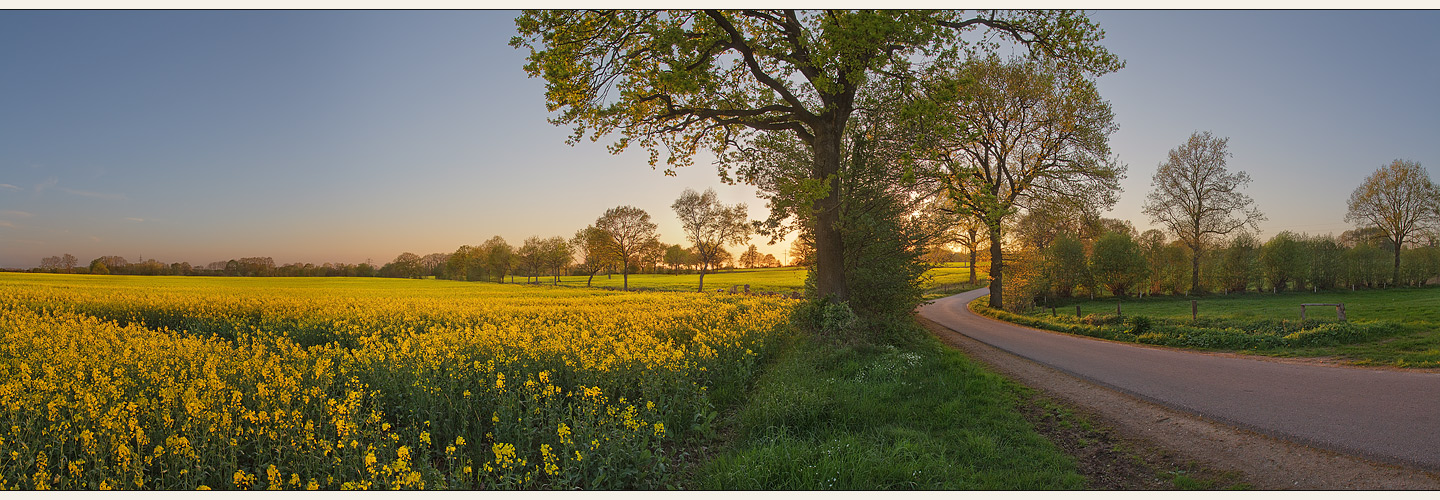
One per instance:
[(1386, 415)]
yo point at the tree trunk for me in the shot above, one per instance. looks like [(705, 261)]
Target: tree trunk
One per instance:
[(972, 265), (1195, 270), (702, 279), (591, 278), (829, 245), (1395, 277), (997, 262), (625, 273)]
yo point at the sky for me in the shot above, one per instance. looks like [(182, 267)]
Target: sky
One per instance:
[(314, 136)]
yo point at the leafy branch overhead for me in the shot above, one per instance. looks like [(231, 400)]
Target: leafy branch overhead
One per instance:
[(688, 80)]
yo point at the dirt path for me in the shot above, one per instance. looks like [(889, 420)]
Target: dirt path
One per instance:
[(1261, 461)]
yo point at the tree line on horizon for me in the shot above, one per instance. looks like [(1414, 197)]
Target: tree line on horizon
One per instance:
[(622, 240)]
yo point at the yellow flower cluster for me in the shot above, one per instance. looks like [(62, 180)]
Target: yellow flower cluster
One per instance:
[(298, 383)]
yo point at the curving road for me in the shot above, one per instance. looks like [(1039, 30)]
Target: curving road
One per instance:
[(1386, 415)]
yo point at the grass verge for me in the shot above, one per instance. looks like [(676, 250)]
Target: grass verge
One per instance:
[(861, 417), (1397, 327)]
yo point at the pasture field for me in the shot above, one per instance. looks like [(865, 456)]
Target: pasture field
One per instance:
[(1394, 327), (118, 382), (945, 280)]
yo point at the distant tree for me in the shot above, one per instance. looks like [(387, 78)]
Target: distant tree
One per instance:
[(1197, 199), (769, 260), (628, 231), (365, 269), (1152, 244), (971, 234), (1117, 263), (406, 265), (498, 258), (801, 253), (1326, 261), (1284, 260), (1419, 265), (461, 261), (1399, 200), (115, 264), (651, 254), (50, 264), (433, 264), (529, 258), (1066, 266), (677, 256), (555, 255), (711, 226), (1240, 264), (589, 245), (750, 257), (98, 266)]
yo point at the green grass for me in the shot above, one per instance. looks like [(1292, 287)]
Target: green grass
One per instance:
[(945, 280), (826, 417), (1394, 327)]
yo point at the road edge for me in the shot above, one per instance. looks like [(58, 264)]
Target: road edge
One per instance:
[(1262, 461)]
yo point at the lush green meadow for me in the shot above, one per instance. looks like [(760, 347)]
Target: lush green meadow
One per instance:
[(128, 382), (1397, 327)]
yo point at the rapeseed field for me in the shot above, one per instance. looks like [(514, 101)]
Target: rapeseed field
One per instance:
[(313, 383)]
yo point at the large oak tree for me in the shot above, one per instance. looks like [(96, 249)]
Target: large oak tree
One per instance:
[(686, 81), (1022, 133)]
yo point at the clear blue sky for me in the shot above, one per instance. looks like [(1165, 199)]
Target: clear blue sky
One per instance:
[(346, 136)]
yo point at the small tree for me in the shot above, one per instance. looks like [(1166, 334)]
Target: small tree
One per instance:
[(628, 231), (1066, 266), (1117, 263), (499, 256), (1283, 259), (710, 226), (1399, 200), (589, 246), (1327, 261), (750, 258), (1197, 199), (555, 255), (1240, 266)]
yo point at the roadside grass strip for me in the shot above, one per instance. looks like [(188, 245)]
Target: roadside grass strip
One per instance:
[(916, 416), (1395, 327)]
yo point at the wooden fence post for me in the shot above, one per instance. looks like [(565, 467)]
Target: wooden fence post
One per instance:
[(1194, 310), (1077, 310)]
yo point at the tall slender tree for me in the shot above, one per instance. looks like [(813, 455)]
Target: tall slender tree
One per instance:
[(682, 81), (1198, 200)]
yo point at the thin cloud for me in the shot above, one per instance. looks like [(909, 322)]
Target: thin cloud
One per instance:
[(6, 223), (134, 219), (92, 194), (9, 187), (15, 213)]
